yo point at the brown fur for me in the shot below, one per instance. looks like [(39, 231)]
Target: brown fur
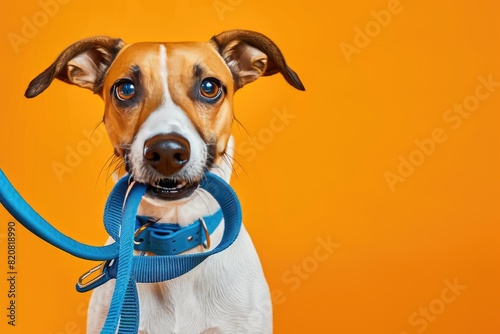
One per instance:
[(234, 57)]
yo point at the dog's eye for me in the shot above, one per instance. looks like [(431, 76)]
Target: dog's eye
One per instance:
[(125, 91), (210, 88)]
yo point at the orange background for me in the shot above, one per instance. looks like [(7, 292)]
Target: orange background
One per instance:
[(323, 176)]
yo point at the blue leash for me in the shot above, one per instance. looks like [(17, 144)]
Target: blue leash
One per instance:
[(22, 212), (120, 221)]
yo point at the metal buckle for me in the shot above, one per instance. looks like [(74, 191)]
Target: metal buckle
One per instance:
[(207, 235), (140, 230), (101, 267)]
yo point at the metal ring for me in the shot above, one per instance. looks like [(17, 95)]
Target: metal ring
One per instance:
[(207, 235), (140, 230)]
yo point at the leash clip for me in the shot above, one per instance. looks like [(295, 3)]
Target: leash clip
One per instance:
[(82, 285)]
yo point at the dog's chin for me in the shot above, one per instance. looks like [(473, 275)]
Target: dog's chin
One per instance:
[(171, 190)]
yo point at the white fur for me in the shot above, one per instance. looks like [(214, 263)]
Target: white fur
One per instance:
[(228, 292)]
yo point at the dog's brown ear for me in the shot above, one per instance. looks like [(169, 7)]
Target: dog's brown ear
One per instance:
[(250, 55), (83, 63)]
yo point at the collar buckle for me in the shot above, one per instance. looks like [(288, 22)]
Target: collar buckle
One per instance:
[(205, 244)]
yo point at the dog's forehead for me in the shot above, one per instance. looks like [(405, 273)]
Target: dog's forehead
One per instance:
[(182, 59)]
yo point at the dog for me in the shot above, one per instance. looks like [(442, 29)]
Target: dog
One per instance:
[(168, 114)]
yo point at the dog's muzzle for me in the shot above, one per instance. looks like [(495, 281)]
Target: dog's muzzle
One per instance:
[(167, 154)]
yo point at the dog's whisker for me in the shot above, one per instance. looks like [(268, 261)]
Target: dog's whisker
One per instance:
[(106, 164), (203, 200), (240, 125), (236, 153), (219, 169), (118, 162), (227, 158), (95, 128), (117, 168), (233, 162)]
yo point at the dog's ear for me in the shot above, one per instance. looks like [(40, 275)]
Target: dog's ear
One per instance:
[(250, 55), (83, 63)]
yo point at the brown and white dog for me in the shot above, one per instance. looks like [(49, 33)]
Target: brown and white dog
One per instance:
[(168, 113)]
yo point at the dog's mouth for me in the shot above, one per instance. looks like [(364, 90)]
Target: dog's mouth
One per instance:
[(171, 190)]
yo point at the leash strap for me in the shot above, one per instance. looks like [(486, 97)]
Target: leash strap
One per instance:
[(154, 269), (147, 269), (129, 318), (120, 220), (22, 212), (125, 285)]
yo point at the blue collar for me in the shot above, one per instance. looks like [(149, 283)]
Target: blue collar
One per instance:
[(171, 239)]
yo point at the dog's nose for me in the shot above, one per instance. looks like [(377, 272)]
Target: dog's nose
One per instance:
[(167, 153)]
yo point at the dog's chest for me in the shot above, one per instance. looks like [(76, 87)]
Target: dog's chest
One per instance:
[(178, 305), (225, 294), (216, 294)]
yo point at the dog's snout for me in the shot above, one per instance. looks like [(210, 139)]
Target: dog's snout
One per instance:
[(167, 154)]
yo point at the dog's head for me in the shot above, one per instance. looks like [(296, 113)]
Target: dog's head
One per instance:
[(168, 106)]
